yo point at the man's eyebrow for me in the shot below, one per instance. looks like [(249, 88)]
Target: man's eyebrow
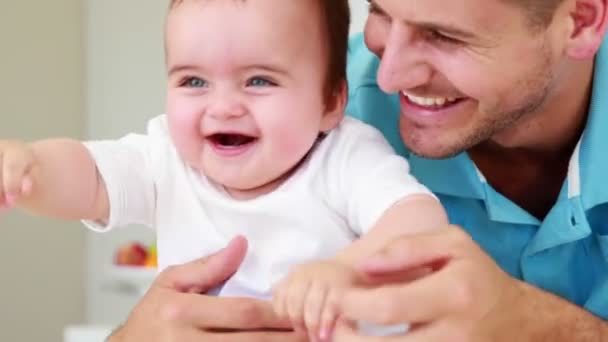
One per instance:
[(445, 28), (373, 6), (430, 26)]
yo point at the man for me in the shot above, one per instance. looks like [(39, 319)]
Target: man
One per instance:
[(499, 104)]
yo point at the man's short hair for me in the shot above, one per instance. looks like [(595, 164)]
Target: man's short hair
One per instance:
[(540, 13)]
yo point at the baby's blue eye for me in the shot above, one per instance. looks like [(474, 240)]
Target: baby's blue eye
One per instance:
[(260, 82), (195, 82)]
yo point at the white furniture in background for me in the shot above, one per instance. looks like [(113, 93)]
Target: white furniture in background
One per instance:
[(86, 333)]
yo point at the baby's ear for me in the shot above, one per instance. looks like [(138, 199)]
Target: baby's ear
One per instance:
[(334, 110)]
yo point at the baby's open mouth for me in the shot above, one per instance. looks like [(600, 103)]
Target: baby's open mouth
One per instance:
[(231, 139)]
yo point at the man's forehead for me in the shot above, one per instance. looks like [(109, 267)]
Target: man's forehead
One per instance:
[(475, 16)]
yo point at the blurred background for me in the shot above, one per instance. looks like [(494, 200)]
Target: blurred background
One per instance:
[(84, 69)]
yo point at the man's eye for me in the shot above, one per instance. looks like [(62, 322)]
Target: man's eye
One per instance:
[(194, 82), (373, 8), (436, 36), (260, 82)]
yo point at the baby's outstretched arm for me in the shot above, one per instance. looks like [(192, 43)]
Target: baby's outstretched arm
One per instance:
[(56, 178), (309, 296)]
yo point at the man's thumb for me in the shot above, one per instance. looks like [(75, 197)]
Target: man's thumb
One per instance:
[(208, 272)]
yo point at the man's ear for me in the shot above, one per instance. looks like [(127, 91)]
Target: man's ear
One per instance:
[(589, 18), (334, 110)]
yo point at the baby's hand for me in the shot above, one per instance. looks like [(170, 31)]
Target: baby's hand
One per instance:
[(16, 162), (309, 296)]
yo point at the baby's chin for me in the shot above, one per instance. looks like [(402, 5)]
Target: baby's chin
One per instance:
[(241, 188), (243, 181), (250, 192)]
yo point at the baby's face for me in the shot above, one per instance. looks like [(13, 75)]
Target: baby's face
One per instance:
[(245, 91)]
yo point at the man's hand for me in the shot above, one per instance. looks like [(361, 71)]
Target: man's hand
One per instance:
[(466, 297), (175, 310)]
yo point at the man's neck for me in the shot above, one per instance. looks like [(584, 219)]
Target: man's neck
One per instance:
[(528, 162)]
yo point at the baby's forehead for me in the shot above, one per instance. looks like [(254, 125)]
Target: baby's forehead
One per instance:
[(269, 23)]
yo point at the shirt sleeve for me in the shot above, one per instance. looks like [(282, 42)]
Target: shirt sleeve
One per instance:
[(125, 167), (369, 176)]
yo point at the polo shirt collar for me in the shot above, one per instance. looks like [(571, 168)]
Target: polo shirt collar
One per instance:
[(593, 155)]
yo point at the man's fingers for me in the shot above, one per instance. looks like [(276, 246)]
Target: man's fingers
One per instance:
[(196, 335), (204, 274), (428, 333), (242, 313), (256, 336), (415, 251), (345, 333), (424, 300), (435, 332)]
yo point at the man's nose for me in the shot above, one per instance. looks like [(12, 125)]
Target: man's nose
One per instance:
[(402, 66)]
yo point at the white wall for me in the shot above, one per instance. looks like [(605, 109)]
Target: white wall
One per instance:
[(41, 261), (125, 87), (359, 9)]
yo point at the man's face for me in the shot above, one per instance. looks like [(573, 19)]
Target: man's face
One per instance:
[(465, 70)]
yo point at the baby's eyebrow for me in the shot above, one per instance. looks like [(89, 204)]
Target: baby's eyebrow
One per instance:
[(265, 67), (179, 68)]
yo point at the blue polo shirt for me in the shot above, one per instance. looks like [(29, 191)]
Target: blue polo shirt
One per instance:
[(567, 252)]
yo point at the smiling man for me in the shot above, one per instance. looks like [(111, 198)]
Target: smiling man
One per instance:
[(501, 107)]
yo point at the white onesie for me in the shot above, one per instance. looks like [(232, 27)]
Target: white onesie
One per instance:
[(343, 187)]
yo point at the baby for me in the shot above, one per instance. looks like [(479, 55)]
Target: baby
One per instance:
[(254, 143)]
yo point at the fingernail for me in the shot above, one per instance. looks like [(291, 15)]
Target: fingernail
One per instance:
[(371, 264), (323, 334), (10, 200), (26, 186)]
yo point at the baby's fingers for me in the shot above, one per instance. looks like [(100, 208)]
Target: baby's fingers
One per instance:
[(278, 299), (296, 298), (3, 202), (16, 167), (329, 315), (313, 308)]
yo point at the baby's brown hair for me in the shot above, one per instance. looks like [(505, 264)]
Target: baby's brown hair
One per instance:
[(335, 17)]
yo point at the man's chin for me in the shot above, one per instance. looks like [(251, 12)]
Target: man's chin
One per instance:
[(433, 155), (433, 150)]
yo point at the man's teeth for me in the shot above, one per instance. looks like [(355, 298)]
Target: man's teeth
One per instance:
[(430, 101)]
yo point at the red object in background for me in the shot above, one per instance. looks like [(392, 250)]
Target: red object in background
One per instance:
[(131, 254)]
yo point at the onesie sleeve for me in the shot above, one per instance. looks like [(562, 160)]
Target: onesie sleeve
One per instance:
[(127, 167), (369, 175)]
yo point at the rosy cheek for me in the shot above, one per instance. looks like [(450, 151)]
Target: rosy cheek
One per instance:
[(293, 141), (184, 128)]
